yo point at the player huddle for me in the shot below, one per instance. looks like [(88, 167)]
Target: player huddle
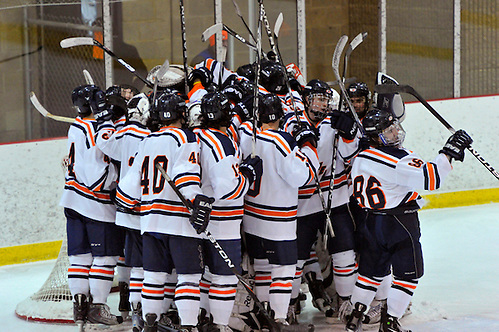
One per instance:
[(279, 179)]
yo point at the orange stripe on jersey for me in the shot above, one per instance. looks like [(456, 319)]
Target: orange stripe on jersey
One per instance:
[(277, 138), (179, 132), (152, 291), (214, 141), (227, 213), (182, 291), (272, 213), (127, 129), (124, 199), (432, 185), (187, 179), (309, 191), (223, 292), (368, 281), (209, 63), (404, 285), (381, 156), (90, 130), (74, 270), (413, 196), (197, 86), (162, 206), (88, 191), (280, 284), (204, 285), (239, 189)]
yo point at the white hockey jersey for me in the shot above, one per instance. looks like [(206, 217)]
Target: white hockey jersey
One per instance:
[(144, 189), (287, 102), (122, 145), (388, 178), (271, 204), (309, 200), (90, 177), (221, 179)]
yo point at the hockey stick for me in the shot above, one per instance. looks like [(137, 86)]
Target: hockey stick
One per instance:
[(188, 204), (257, 75), (210, 31), (160, 73), (184, 44), (391, 88), (81, 41), (43, 111), (273, 44), (88, 77), (353, 45), (238, 37), (238, 12)]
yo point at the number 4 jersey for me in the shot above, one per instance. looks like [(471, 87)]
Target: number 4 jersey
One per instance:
[(388, 178)]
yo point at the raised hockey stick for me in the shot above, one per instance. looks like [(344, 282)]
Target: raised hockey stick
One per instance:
[(81, 41), (272, 42), (188, 204), (184, 44), (392, 88), (159, 74), (238, 12), (353, 45), (239, 37), (88, 77), (210, 31), (256, 89), (43, 111)]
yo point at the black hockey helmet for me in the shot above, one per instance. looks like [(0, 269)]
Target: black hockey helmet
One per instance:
[(273, 77), (87, 99), (383, 128), (318, 98), (269, 108), (116, 103), (215, 110), (360, 89), (168, 108), (247, 70)]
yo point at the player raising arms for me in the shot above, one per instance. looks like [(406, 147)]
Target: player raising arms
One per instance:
[(386, 178)]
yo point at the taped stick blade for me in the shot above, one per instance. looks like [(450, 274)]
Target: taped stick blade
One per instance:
[(278, 24), (76, 41)]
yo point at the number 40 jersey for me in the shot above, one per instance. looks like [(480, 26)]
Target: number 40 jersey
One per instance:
[(388, 177)]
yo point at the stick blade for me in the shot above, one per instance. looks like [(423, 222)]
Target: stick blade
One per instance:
[(278, 24), (340, 46), (210, 31), (356, 42), (88, 77), (163, 69), (76, 41), (36, 103)]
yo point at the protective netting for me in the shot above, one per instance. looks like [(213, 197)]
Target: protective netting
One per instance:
[(52, 303), (11, 4)]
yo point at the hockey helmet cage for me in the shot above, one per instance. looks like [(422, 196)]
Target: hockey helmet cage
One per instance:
[(392, 101), (269, 108), (87, 99), (273, 77), (319, 98), (168, 108), (215, 110), (383, 128)]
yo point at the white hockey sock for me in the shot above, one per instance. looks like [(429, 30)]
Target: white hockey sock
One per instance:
[(153, 291), (344, 272), (365, 289), (204, 287), (399, 296), (263, 278), (101, 277), (187, 298), (136, 281), (384, 288), (78, 272), (122, 271), (170, 284), (222, 295), (280, 289), (297, 279)]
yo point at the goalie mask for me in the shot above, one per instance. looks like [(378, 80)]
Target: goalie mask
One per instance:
[(173, 78), (319, 99), (391, 102), (168, 108), (87, 99), (382, 128), (359, 95), (215, 110)]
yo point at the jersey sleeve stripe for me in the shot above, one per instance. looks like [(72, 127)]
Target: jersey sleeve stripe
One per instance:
[(382, 156), (180, 134), (277, 140), (90, 130), (209, 139), (377, 160), (431, 176), (182, 181)]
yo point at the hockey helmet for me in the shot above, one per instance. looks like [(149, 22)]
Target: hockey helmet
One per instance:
[(383, 128), (247, 70), (273, 77), (215, 110), (318, 98), (168, 108), (87, 99), (115, 101), (269, 108)]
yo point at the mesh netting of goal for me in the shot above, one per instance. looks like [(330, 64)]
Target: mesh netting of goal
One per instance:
[(53, 302), (10, 4)]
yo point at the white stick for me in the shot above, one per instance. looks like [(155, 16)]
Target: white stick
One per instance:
[(88, 77), (43, 111), (211, 31)]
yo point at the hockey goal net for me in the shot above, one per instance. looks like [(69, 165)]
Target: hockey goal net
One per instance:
[(53, 302)]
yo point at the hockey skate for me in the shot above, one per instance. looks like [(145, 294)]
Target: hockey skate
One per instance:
[(101, 317), (373, 315), (124, 304), (150, 323), (137, 321), (292, 317), (165, 324), (354, 323), (344, 309), (80, 310), (390, 323), (320, 299)]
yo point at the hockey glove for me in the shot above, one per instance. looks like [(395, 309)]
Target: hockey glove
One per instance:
[(456, 144), (138, 108), (233, 92), (245, 108), (102, 112), (304, 134), (252, 168), (200, 216), (364, 143), (343, 122), (203, 74)]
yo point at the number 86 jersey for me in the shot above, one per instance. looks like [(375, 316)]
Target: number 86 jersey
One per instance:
[(387, 178)]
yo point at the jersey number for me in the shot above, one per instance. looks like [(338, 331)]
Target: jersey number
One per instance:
[(158, 183), (373, 192)]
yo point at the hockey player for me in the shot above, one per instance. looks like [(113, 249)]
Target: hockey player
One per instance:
[(386, 178), (168, 239), (360, 96), (122, 146), (225, 179), (94, 240), (269, 221), (319, 103)]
